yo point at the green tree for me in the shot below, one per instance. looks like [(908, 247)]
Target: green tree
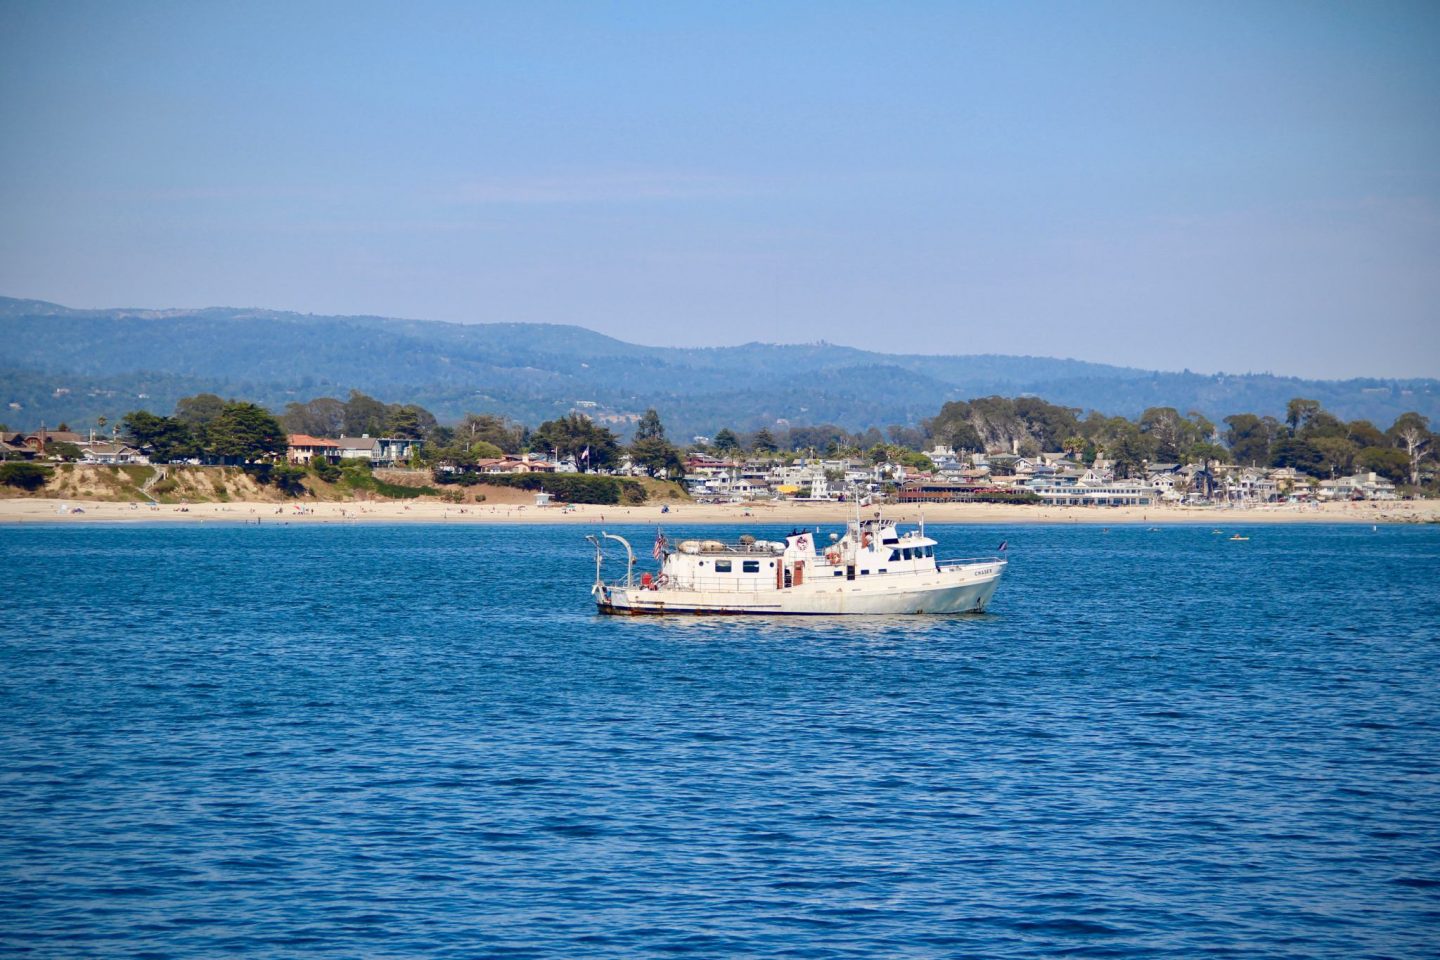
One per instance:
[(1337, 454), (895, 453), (573, 435), (467, 454), (764, 442), (1299, 411), (290, 480), (1128, 448), (903, 436), (488, 428), (650, 427), (726, 441), (63, 450), (1168, 430), (916, 460), (823, 438), (325, 469), (1047, 423), (246, 433), (26, 476), (198, 411), (1323, 425), (963, 436), (408, 421), (1389, 462), (1364, 434), (658, 456), (321, 417), (1298, 454), (162, 439), (1250, 438), (364, 415), (1205, 452)]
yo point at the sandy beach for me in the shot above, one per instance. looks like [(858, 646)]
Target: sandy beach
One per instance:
[(36, 510)]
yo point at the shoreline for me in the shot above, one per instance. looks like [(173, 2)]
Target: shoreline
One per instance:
[(19, 511)]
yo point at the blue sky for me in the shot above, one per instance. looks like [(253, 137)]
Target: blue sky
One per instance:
[(1219, 186)]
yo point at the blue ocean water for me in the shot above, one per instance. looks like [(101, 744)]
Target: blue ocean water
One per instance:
[(403, 741)]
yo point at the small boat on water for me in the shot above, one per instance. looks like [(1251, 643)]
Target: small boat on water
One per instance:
[(1238, 537), (872, 569)]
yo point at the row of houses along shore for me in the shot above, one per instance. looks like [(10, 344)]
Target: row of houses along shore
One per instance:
[(1054, 479), (96, 448)]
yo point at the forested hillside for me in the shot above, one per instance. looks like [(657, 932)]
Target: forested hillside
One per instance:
[(59, 364)]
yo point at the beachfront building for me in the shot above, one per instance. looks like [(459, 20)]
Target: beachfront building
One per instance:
[(945, 458), (378, 451), (1257, 486), (940, 491), (1097, 493), (39, 440), (110, 452), (1360, 486), (301, 448), (516, 464), (12, 447)]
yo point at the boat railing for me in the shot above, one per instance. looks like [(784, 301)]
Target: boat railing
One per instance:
[(967, 561), (707, 584), (707, 547)]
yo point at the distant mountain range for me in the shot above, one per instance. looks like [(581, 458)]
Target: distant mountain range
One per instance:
[(60, 364)]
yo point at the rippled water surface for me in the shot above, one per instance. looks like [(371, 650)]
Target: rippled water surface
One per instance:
[(402, 741)]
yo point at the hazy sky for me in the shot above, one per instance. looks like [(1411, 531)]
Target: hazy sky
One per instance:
[(1221, 186)]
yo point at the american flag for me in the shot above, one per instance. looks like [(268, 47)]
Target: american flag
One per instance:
[(660, 544)]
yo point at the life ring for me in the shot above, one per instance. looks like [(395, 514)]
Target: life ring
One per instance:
[(832, 557), (865, 540), (661, 580), (802, 542)]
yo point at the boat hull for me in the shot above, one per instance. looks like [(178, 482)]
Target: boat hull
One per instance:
[(957, 590)]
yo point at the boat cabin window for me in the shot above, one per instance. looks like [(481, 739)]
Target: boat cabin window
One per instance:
[(749, 566), (909, 553), (722, 566), (929, 551), (894, 554)]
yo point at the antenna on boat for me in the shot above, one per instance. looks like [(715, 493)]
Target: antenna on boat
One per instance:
[(629, 557), (599, 559)]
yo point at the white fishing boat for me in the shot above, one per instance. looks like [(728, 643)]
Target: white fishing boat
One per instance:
[(872, 569)]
